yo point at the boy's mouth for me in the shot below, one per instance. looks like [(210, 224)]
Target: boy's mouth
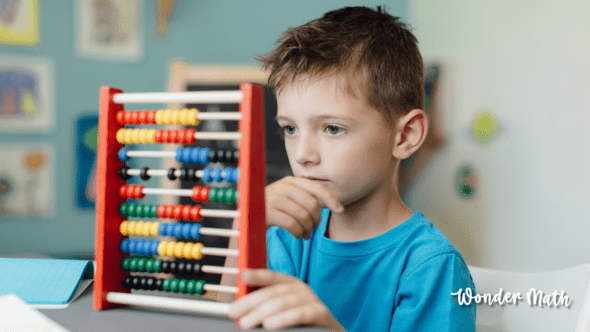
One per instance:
[(314, 179)]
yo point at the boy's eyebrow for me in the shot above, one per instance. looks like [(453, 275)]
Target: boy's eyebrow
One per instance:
[(318, 117)]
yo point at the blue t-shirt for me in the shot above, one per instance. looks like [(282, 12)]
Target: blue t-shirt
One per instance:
[(401, 280)]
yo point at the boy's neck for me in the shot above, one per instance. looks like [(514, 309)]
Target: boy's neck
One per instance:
[(368, 218)]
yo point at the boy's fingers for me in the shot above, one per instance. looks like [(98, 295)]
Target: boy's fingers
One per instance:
[(320, 192), (288, 223), (300, 214), (264, 277)]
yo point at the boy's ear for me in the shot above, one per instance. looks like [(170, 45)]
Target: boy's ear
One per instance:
[(410, 132)]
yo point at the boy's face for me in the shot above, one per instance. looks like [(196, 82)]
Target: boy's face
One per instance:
[(336, 139)]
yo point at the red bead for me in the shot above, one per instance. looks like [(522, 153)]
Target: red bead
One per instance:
[(178, 212), (152, 117), (142, 117), (181, 136), (196, 213), (158, 137), (190, 136), (169, 211), (173, 136), (129, 191), (196, 193), (186, 212), (120, 118), (123, 191), (134, 117), (204, 195), (127, 117), (162, 211), (165, 136)]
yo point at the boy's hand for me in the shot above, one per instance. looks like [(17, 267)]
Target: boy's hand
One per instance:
[(294, 204), (285, 302)]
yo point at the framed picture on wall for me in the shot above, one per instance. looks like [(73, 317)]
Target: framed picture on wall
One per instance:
[(26, 95), (109, 29), (19, 22)]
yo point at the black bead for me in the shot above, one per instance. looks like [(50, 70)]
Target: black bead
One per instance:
[(220, 156), (159, 284), (123, 173), (144, 175), (171, 174), (135, 282), (165, 267), (173, 267), (191, 175), (235, 157), (180, 267), (182, 176), (188, 268), (228, 156), (127, 282), (143, 283), (150, 283), (212, 156), (196, 270)]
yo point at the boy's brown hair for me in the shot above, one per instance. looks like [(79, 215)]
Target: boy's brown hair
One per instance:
[(377, 54)]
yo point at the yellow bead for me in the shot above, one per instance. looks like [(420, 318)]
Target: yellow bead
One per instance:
[(128, 136), (121, 136), (123, 228), (170, 248), (151, 136), (196, 251), (145, 230), (188, 247), (155, 229), (162, 248), (193, 116), (159, 116), (175, 117), (131, 227), (179, 249), (142, 135)]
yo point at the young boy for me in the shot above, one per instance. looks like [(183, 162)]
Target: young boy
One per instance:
[(350, 94)]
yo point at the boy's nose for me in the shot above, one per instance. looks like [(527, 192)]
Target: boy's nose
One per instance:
[(307, 152)]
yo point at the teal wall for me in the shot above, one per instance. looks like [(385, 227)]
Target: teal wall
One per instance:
[(201, 32)]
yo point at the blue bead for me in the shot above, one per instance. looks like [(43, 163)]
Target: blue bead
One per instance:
[(132, 246), (162, 229), (194, 159), (195, 234), (123, 154), (217, 174), (186, 229), (125, 246), (169, 229), (178, 156), (204, 156), (177, 230), (186, 155), (206, 174), (154, 249), (231, 175)]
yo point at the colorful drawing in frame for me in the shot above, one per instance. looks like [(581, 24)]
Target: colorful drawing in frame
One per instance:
[(19, 22), (109, 29), (26, 181), (86, 147), (26, 97)]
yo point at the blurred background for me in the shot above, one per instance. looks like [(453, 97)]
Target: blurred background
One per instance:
[(503, 174)]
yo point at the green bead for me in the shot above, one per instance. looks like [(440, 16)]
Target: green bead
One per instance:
[(123, 209), (141, 264), (229, 196), (133, 264), (131, 210), (153, 211), (139, 212), (125, 264), (157, 265), (166, 285), (190, 287), (213, 195), (182, 286), (174, 285), (220, 195), (200, 287), (236, 196), (149, 265)]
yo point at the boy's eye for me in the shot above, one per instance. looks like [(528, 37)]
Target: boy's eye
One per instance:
[(334, 130), (288, 131)]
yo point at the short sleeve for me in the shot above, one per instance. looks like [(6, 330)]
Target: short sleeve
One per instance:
[(279, 248), (424, 301)]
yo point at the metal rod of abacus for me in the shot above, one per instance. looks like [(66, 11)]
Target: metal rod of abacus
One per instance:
[(197, 97), (220, 252), (219, 231), (219, 269)]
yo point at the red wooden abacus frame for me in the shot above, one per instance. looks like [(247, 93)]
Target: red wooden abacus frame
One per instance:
[(109, 275)]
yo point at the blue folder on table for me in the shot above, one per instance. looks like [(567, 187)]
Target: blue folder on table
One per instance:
[(45, 282)]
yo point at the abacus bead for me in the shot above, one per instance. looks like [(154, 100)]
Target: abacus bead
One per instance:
[(143, 283), (151, 117), (122, 190), (153, 211), (134, 118), (123, 209), (149, 265), (212, 156), (228, 156), (187, 250), (141, 264), (138, 192), (131, 208), (188, 267), (127, 282), (163, 229), (150, 283), (190, 136), (158, 137), (174, 285), (213, 195), (236, 196), (182, 175), (133, 264), (125, 263), (170, 248), (195, 213), (169, 211), (196, 270), (177, 214), (125, 246), (182, 285), (179, 249), (204, 194), (166, 285), (135, 280), (229, 196), (177, 230), (123, 154), (204, 156), (196, 251), (165, 266), (190, 174), (154, 229), (220, 156), (221, 194), (143, 174), (146, 229), (185, 230), (186, 155), (123, 228), (121, 118), (179, 155), (235, 156), (186, 212), (161, 213), (180, 267), (159, 284), (162, 248), (190, 286), (154, 249), (216, 174), (142, 117), (173, 267), (194, 231), (206, 175), (157, 265), (200, 287), (194, 155)]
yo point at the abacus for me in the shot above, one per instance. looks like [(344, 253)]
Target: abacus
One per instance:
[(122, 263)]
